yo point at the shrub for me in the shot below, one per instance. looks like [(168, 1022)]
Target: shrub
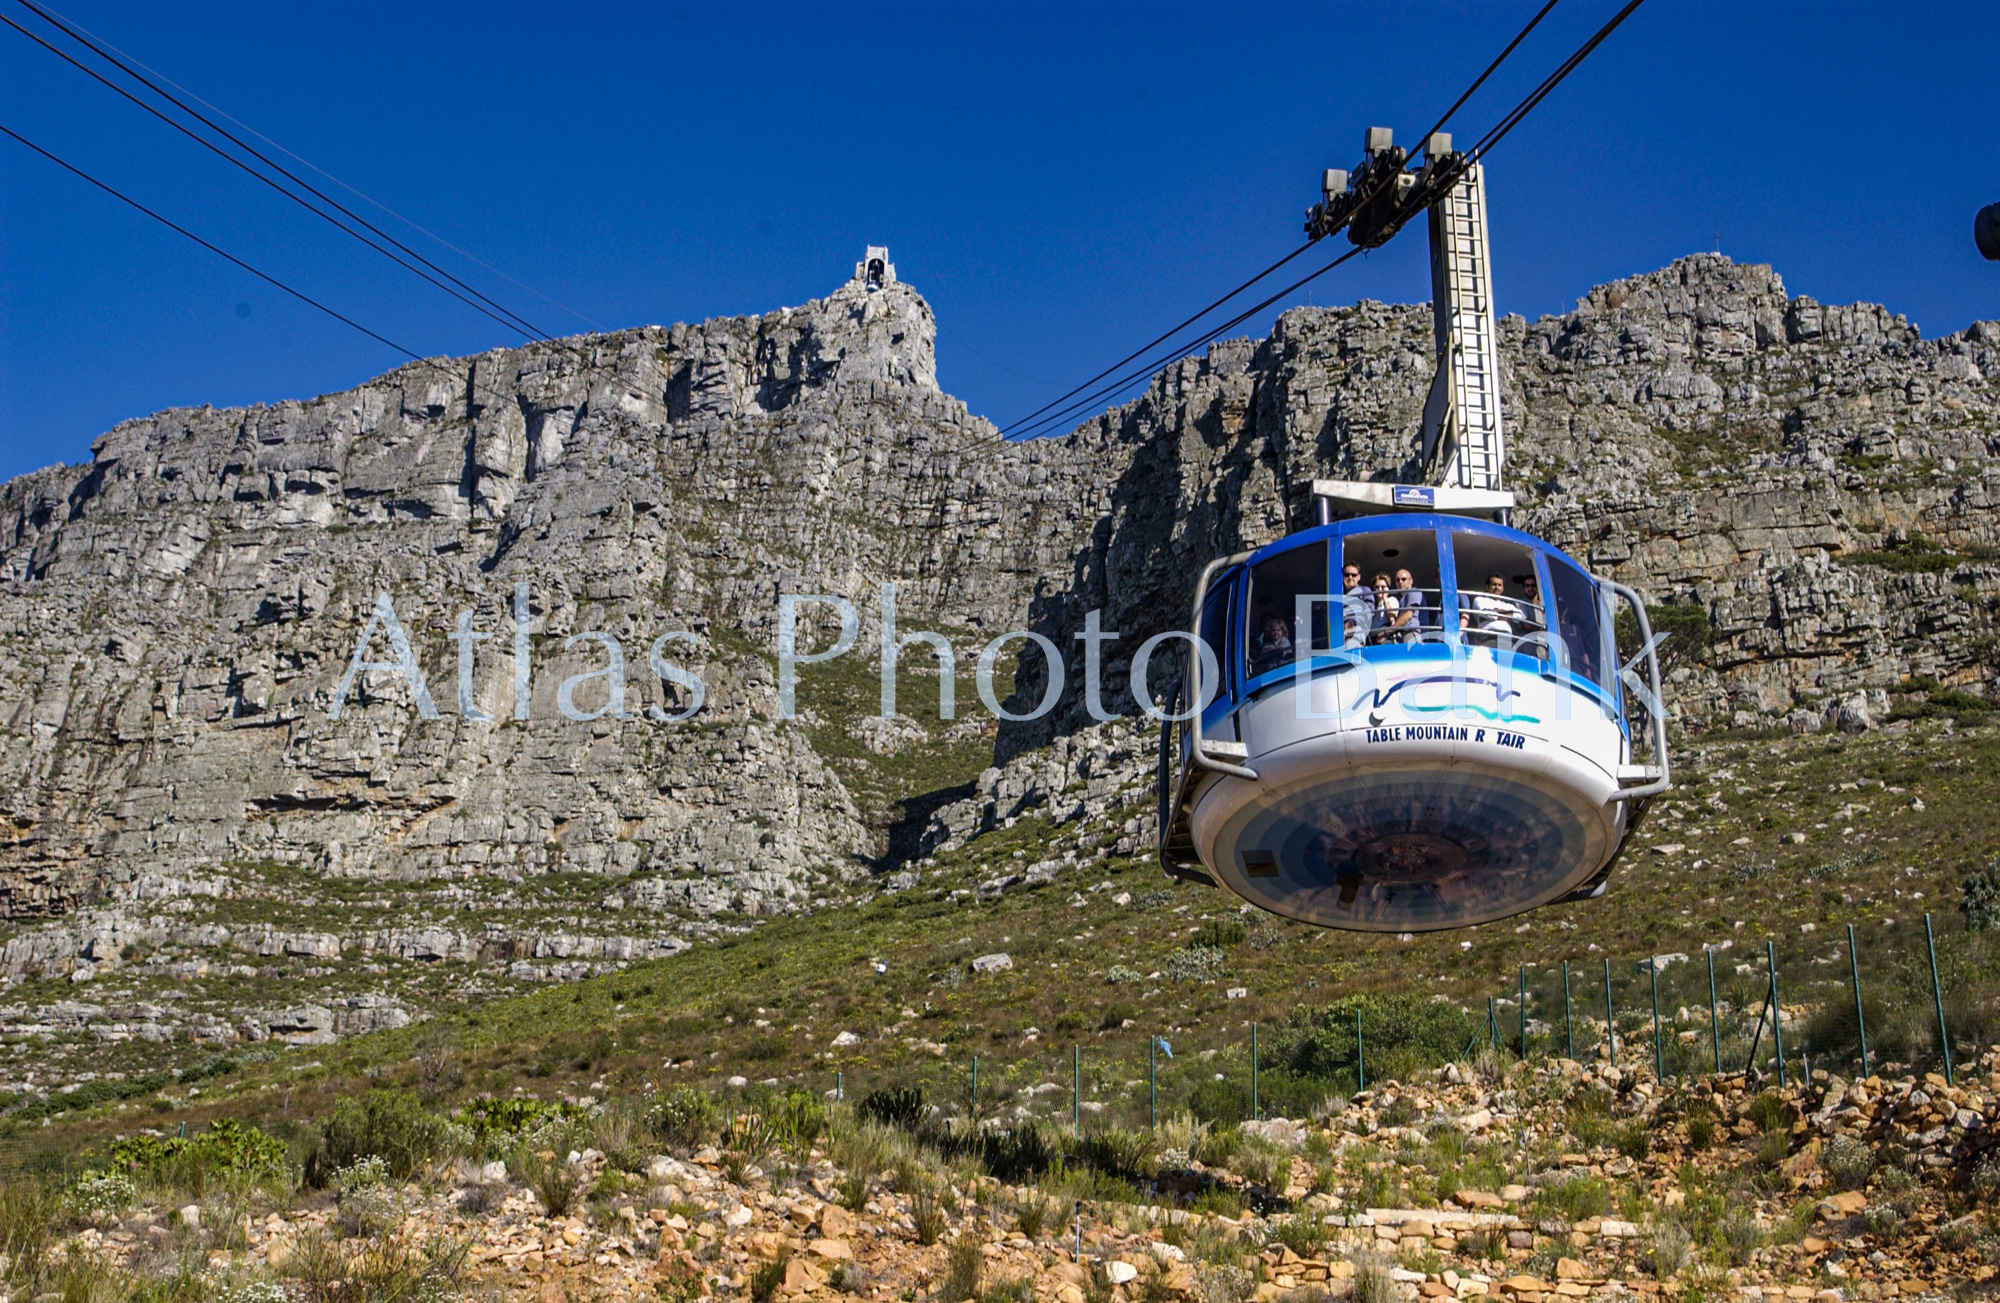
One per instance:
[(478, 1200), (962, 1266), (392, 1266), (764, 1282), (1700, 1128), (1981, 897), (1221, 933), (1668, 1250), (1575, 1199), (1261, 1162), (1741, 1236), (1305, 1234), (1021, 1289), (683, 1119), (1957, 1235), (1372, 1282), (226, 1147), (1221, 1282), (1484, 1244), (390, 1124), (797, 1120), (1195, 963), (1896, 1182), (1884, 1223), (1116, 1151), (901, 1107), (499, 1125), (362, 1174), (88, 1094), (1035, 1214), (1772, 1147), (1027, 1149), (1185, 1135), (1766, 1111), (1411, 1029), (926, 1215), (852, 1193), (1222, 1103), (1634, 1139), (1848, 1162), (364, 1213), (555, 1180), (102, 1192)]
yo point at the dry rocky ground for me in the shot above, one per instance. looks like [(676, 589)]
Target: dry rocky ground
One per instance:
[(1553, 1181)]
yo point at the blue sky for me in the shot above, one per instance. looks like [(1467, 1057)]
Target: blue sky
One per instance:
[(1061, 182)]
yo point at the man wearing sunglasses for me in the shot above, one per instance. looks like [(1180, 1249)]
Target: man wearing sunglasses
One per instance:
[(1357, 604)]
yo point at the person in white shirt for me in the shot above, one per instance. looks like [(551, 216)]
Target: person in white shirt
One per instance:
[(1493, 612)]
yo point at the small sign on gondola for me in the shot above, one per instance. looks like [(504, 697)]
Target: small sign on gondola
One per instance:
[(1412, 495)]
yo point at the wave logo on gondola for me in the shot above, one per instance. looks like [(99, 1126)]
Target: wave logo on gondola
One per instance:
[(1457, 705)]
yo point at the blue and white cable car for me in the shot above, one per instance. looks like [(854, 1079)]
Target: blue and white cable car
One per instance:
[(1412, 716), (1413, 721)]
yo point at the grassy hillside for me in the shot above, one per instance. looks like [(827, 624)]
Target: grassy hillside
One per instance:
[(1767, 837)]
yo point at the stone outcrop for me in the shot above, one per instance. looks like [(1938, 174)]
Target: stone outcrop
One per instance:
[(176, 617)]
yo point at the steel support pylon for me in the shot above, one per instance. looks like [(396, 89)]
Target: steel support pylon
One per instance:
[(1463, 442)]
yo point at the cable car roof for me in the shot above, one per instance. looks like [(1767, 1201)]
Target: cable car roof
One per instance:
[(1405, 520), (1374, 497)]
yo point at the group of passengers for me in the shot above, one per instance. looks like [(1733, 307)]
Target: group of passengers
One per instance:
[(1380, 613), (1392, 609)]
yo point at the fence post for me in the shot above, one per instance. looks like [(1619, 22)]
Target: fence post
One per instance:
[(1714, 1022), (1777, 1010), (1569, 1027), (1659, 1064), (975, 1089), (1360, 1063), (1937, 994), (1524, 1011), (1610, 1017), (1076, 1089), (839, 1087), (1860, 1023), (1492, 1024), (1256, 1113), (1153, 1080)]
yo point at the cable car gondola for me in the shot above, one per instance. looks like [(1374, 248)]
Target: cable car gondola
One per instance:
[(1411, 716)]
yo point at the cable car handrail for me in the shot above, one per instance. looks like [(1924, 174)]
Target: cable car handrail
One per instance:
[(1664, 778), (1199, 701)]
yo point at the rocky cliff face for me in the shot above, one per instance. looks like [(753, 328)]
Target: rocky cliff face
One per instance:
[(176, 617)]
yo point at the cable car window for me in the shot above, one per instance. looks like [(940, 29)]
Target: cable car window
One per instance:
[(1399, 591), (1499, 599), (1275, 586), (1579, 611), (1215, 633)]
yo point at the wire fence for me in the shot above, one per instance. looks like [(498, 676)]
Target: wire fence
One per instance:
[(1902, 1002)]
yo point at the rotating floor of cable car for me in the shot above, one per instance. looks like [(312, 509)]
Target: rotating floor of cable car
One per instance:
[(1413, 721)]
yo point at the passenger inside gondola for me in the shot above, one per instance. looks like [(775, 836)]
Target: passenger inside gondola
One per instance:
[(1402, 575), (1278, 585), (1499, 602)]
